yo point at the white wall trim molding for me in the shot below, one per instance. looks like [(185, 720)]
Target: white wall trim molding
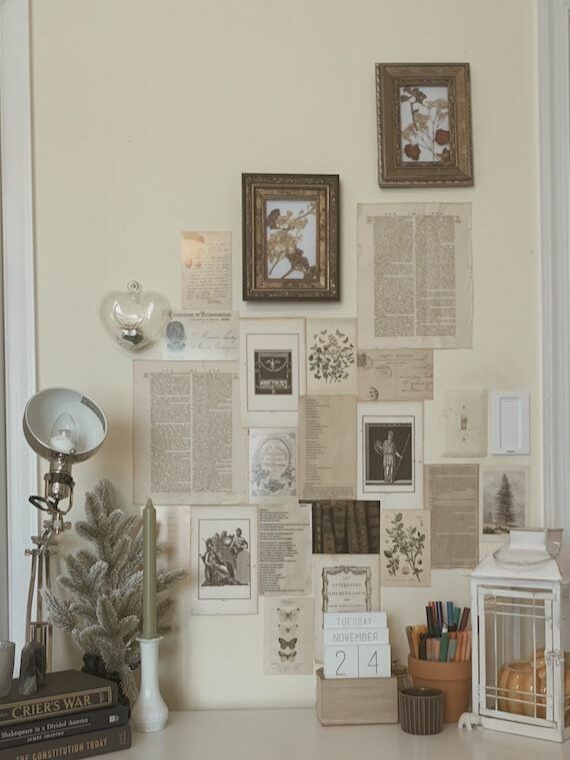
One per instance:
[(554, 114), (19, 293)]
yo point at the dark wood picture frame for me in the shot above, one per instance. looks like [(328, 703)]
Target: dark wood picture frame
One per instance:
[(291, 237), (438, 151)]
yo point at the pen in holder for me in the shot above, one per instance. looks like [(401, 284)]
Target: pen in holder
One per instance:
[(150, 712)]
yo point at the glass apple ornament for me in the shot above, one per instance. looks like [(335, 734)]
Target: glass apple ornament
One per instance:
[(133, 317)]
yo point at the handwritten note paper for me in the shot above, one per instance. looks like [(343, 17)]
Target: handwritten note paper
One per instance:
[(206, 269), (202, 336)]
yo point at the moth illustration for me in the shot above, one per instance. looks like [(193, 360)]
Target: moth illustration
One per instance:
[(287, 657), (287, 630), (287, 644), (288, 616)]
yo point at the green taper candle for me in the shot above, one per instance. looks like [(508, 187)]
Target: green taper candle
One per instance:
[(149, 571)]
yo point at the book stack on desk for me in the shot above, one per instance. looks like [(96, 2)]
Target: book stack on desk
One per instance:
[(74, 715)]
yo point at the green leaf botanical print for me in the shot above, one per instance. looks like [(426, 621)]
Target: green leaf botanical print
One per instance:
[(331, 356), (406, 545)]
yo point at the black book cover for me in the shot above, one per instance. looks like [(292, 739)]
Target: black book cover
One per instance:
[(73, 747), (47, 728), (65, 692)]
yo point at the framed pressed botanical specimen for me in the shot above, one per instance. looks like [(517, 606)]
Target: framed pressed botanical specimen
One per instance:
[(290, 237), (424, 124)]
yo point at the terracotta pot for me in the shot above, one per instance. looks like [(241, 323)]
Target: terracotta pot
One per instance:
[(452, 678)]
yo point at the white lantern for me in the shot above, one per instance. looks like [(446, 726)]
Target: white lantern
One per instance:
[(521, 649)]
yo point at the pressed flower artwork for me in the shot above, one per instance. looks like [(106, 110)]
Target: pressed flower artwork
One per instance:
[(424, 121), (290, 237), (424, 124)]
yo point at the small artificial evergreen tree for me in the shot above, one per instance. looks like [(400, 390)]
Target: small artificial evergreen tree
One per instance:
[(504, 505), (104, 611)]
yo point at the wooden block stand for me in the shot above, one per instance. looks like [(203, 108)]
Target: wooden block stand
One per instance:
[(350, 701)]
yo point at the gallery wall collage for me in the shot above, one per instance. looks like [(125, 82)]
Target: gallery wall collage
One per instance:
[(298, 443)]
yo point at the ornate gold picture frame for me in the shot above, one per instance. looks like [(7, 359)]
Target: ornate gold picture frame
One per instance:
[(424, 125), (290, 237)]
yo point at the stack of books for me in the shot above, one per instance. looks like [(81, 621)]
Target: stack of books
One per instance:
[(356, 645), (74, 715)]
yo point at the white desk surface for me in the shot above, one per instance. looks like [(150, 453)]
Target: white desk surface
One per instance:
[(298, 735)]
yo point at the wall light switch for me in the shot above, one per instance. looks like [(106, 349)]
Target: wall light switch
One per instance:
[(510, 412)]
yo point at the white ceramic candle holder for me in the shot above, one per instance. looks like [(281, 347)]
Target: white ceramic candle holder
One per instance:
[(150, 712)]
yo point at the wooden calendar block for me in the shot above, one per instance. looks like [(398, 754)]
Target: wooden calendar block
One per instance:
[(374, 661), (340, 662), (351, 701), (355, 620)]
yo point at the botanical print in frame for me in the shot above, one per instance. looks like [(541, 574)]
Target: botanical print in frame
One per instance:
[(390, 453), (505, 500), (405, 548), (273, 464), (290, 237), (424, 124), (331, 356), (224, 551), (272, 371)]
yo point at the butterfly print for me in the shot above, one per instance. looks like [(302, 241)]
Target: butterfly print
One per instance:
[(288, 616), (287, 644), (287, 657), (287, 630)]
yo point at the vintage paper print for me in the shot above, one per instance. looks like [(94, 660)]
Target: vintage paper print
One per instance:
[(285, 550), (505, 500), (390, 453), (272, 355), (415, 278), (188, 446), (465, 423), (452, 496), (327, 443), (206, 267), (344, 583), (273, 464), (395, 375), (346, 527), (201, 336), (288, 636), (331, 356), (174, 537), (224, 560), (406, 548)]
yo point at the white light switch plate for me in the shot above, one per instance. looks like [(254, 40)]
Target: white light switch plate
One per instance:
[(510, 412)]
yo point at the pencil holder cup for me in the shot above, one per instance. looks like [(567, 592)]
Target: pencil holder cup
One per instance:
[(7, 654), (452, 678), (421, 711)]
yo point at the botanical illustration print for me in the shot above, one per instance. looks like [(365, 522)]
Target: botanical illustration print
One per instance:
[(273, 464), (424, 125), (405, 548), (225, 557), (504, 495), (331, 356), (291, 240), (273, 372), (389, 453)]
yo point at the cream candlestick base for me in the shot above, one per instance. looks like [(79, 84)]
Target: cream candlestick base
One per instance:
[(150, 712)]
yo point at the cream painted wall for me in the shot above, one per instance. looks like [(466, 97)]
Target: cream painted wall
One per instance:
[(145, 115)]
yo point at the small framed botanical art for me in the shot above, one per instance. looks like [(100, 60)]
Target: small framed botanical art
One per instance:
[(424, 124), (290, 237), (390, 453)]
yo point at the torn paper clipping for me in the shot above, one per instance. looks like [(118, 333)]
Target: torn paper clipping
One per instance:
[(273, 465), (465, 423), (452, 496), (188, 446), (201, 336), (327, 447), (405, 555), (344, 583), (331, 356), (288, 636), (206, 267), (414, 275), (285, 550), (223, 552), (404, 374)]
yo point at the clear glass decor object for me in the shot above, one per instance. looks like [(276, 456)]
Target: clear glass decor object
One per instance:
[(133, 317)]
